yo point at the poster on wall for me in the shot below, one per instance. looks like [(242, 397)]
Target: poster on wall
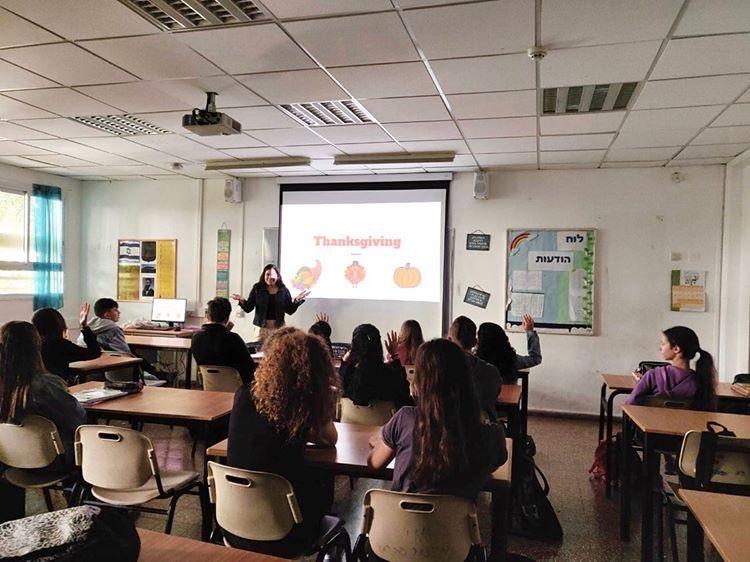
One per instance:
[(222, 262), (146, 269), (688, 292), (550, 276)]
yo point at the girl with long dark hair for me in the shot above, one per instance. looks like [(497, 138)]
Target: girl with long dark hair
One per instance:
[(678, 346), (440, 444), (409, 339), (494, 347)]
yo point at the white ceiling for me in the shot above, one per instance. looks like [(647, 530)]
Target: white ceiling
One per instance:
[(434, 74)]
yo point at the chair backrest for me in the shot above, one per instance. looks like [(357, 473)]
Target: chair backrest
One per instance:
[(418, 527), (253, 505), (32, 443), (742, 378), (340, 348), (377, 413), (644, 366), (730, 473), (115, 458), (664, 402), (220, 379)]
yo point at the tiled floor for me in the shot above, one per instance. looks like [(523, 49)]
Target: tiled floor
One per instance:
[(564, 452)]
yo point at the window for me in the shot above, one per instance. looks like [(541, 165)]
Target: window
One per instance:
[(16, 274)]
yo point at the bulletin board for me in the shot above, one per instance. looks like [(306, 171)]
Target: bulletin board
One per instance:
[(146, 269), (550, 275)]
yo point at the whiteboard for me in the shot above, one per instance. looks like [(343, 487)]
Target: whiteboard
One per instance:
[(550, 275)]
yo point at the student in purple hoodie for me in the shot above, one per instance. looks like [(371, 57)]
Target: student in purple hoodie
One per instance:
[(677, 380)]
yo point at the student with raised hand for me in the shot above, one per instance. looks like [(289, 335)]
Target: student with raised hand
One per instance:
[(487, 379), (494, 347), (289, 405), (365, 375), (677, 380), (440, 444), (58, 352), (409, 339), (322, 329)]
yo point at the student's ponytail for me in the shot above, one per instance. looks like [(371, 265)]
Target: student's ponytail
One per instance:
[(705, 373)]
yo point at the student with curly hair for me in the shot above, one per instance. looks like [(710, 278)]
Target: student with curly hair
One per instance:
[(290, 404)]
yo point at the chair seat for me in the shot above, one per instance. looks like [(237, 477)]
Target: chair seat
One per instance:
[(170, 481), (34, 479)]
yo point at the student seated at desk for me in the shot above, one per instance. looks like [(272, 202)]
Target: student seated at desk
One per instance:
[(289, 405), (409, 339), (364, 374), (322, 329), (440, 444), (677, 380), (216, 344), (494, 347), (487, 380), (58, 352)]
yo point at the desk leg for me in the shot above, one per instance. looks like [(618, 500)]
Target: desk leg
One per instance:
[(694, 540), (601, 412), (625, 480), (650, 477), (188, 369), (500, 514), (608, 447)]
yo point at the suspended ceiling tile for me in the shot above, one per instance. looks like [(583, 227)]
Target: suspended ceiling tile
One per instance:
[(339, 134), (736, 114), (61, 127), (267, 117), (261, 152), (76, 150), (370, 148), (312, 152), (22, 162), (665, 119), (346, 41), (514, 144), (349, 172), (66, 63), (304, 8), (574, 23), (457, 146), (642, 154), (703, 56), (670, 137), (246, 49), (570, 166), (581, 123), (704, 17), (576, 142), (484, 28), (60, 160), (179, 146), (288, 137), (498, 104), (713, 151), (697, 162), (168, 120), (82, 19), (745, 98), (226, 141), (691, 91), (63, 101), (294, 86), (459, 160), (310, 172), (154, 57), (716, 135), (485, 74), (398, 170), (407, 4), (430, 130), (506, 159), (386, 80), (124, 147), (572, 156), (16, 31), (16, 78), (135, 97), (597, 65), (495, 128), (193, 92), (643, 164), (399, 110), (11, 131)]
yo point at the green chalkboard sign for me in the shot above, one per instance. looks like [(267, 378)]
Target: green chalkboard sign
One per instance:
[(477, 297), (478, 241)]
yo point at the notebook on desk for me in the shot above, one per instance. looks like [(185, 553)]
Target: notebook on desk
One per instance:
[(96, 395)]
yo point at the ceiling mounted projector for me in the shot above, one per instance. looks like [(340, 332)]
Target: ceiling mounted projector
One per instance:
[(209, 122)]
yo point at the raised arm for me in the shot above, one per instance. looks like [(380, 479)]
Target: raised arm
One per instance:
[(534, 356)]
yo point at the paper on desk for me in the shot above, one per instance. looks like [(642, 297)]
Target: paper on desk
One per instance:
[(527, 303), (527, 280)]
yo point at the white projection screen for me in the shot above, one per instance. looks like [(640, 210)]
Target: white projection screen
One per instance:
[(368, 252)]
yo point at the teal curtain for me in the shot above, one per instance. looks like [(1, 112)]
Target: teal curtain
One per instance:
[(47, 246)]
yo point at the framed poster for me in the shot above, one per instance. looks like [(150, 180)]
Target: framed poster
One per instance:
[(550, 276), (146, 269)]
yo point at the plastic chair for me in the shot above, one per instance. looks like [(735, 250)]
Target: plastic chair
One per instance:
[(120, 469), (220, 379), (377, 413), (262, 508), (29, 446), (401, 527), (644, 366)]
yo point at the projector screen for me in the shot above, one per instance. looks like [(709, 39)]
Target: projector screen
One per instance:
[(367, 253)]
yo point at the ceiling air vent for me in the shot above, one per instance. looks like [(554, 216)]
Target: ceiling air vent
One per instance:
[(121, 125), (583, 99), (188, 14), (322, 113)]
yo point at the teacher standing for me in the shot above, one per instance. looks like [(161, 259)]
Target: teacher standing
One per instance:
[(271, 300)]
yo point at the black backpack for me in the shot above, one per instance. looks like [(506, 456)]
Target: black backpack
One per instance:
[(533, 515)]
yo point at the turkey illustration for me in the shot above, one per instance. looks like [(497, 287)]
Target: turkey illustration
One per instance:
[(354, 273), (306, 276)]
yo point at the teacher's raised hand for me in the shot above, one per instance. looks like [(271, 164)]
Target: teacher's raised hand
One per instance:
[(237, 297), (302, 296)]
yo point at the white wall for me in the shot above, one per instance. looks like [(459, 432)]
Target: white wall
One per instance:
[(23, 178), (640, 216)]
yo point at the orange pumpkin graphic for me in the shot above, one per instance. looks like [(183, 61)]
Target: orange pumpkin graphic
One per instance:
[(354, 273), (407, 277)]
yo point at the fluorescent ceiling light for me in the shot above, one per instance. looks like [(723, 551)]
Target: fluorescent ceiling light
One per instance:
[(394, 158), (279, 162)]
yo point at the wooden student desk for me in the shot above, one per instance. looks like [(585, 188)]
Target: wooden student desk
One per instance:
[(158, 547), (186, 332), (167, 343), (663, 430), (349, 458), (508, 402), (723, 518), (105, 362)]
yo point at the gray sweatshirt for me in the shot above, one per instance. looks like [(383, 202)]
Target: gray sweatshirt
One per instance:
[(109, 335)]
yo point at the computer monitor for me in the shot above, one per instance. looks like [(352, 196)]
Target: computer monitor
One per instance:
[(168, 310)]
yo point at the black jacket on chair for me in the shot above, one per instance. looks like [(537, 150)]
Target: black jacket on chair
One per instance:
[(258, 300), (215, 345)]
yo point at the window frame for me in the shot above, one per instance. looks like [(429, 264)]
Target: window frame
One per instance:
[(26, 265)]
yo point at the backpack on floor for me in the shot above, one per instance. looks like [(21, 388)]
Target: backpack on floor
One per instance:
[(599, 468), (533, 515)]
